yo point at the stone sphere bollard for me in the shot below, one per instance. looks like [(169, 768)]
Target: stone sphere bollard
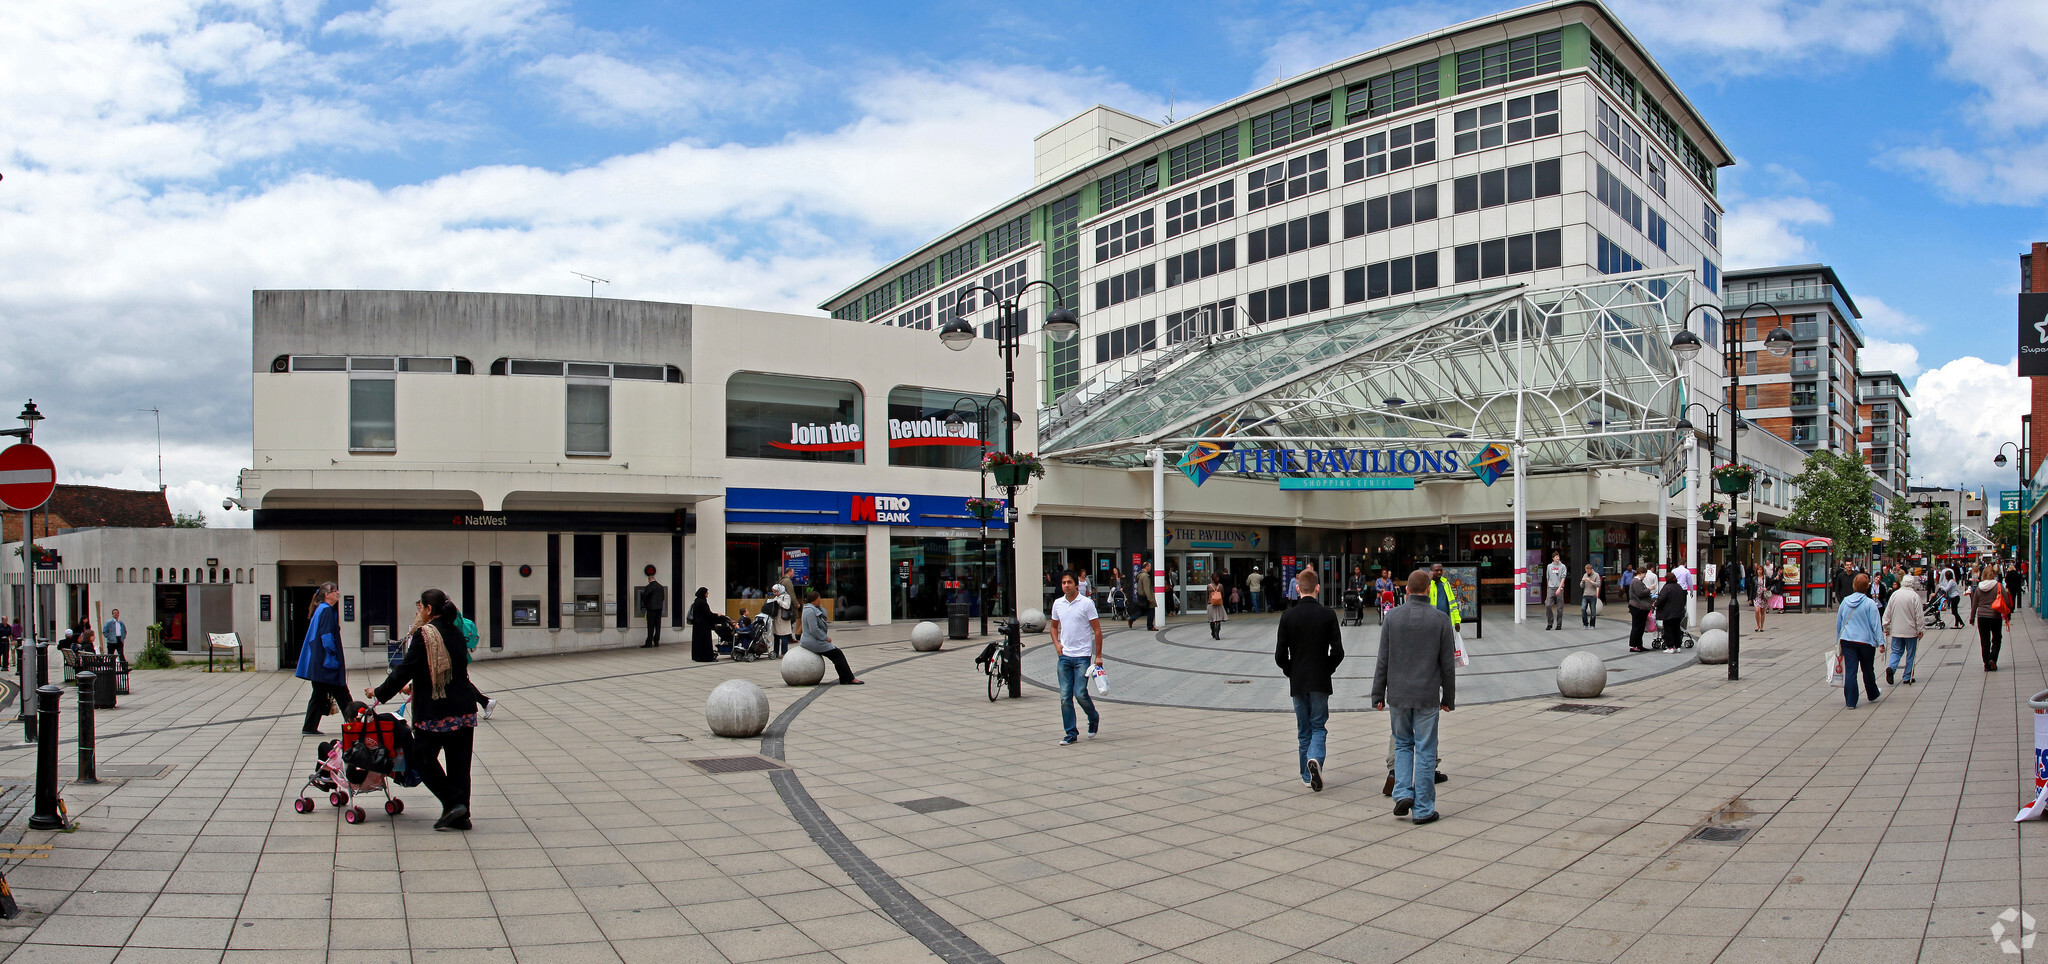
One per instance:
[(801, 667), (1032, 620), (927, 637), (737, 707), (1714, 620), (1581, 676), (1713, 646)]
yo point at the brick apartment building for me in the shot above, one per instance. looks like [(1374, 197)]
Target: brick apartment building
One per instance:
[(92, 507), (1808, 397)]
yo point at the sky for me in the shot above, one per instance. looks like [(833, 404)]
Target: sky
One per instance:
[(160, 159)]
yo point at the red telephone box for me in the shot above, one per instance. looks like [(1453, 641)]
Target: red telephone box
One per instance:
[(1792, 569), (1818, 565)]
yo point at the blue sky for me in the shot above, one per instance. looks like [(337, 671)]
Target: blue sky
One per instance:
[(163, 157)]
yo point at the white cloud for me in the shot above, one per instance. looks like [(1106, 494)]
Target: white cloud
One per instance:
[(602, 89), (1962, 412), (1762, 232), (1327, 39), (1756, 36), (1880, 318), (466, 22), (1878, 355)]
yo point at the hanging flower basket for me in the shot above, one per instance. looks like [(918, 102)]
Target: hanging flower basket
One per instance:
[(983, 509), (1711, 511), (1734, 478), (1009, 468)]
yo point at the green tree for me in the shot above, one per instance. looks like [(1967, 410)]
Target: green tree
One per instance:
[(1902, 534), (2009, 534), (1937, 531), (195, 520), (1834, 501)]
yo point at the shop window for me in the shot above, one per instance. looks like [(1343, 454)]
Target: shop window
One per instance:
[(590, 418), (372, 414), (787, 417), (834, 565)]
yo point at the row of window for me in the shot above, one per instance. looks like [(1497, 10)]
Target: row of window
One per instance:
[(1390, 211), (1199, 209), (1611, 258), (373, 367), (176, 575), (1615, 194), (1128, 340), (1201, 262), (1660, 124), (1499, 258), (1288, 300), (1520, 182), (992, 244), (1390, 150), (1398, 276), (1287, 237), (1511, 121), (1123, 235), (1119, 288), (1127, 185)]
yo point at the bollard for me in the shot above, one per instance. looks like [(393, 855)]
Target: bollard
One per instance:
[(46, 816), (1013, 648), (88, 772)]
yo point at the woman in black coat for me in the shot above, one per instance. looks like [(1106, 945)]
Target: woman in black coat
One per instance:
[(436, 669), (701, 620), (1671, 612)]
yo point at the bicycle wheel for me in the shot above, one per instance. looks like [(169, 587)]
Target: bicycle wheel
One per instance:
[(995, 677)]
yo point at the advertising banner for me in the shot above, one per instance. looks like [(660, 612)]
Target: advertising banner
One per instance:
[(934, 428), (2033, 334), (786, 417)]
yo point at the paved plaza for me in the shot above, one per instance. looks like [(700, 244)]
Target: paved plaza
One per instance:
[(911, 819)]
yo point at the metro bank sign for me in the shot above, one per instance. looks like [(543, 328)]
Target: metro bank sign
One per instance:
[(820, 507), (882, 509)]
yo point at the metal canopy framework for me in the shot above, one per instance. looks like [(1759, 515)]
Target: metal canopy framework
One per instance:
[(1581, 375)]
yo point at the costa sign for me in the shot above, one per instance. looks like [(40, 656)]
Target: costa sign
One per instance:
[(1491, 539)]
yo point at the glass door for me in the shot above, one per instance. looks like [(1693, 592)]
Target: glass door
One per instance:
[(1195, 589)]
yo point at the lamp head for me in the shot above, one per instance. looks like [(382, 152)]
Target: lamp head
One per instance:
[(1741, 427), (1684, 425), (1686, 346), (1062, 324), (29, 413), (1999, 461), (1779, 341), (957, 334)]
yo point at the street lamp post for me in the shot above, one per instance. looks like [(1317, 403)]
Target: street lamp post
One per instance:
[(31, 679), (981, 412), (1686, 346), (1062, 325), (2025, 458)]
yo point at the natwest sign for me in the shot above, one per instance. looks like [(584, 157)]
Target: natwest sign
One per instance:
[(1491, 539), (882, 509)]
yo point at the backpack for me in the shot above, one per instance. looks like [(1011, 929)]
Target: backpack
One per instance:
[(468, 631)]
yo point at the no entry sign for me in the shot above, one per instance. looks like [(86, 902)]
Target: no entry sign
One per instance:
[(27, 477)]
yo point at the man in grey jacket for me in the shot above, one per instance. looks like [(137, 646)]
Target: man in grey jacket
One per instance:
[(1415, 678)]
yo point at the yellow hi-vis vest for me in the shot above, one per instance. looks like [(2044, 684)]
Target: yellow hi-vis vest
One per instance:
[(1457, 618)]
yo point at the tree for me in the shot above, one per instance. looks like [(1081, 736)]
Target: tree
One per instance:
[(195, 520), (2009, 534), (1834, 501), (1938, 532), (1901, 533)]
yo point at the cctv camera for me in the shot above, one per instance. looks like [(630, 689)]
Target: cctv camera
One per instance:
[(1511, 503), (227, 505)]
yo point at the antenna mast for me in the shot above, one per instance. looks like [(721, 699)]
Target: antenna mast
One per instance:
[(593, 279), (153, 410)]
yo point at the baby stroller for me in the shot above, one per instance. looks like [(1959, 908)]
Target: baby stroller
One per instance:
[(1354, 609), (1934, 612), (750, 638), (370, 755), (1386, 603), (1119, 604)]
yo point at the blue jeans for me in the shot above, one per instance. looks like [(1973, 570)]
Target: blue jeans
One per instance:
[(1074, 686), (1258, 602), (1311, 721), (1855, 657), (1904, 648), (1415, 756)]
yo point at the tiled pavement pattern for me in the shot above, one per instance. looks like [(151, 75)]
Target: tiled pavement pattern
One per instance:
[(1876, 834), (1184, 667)]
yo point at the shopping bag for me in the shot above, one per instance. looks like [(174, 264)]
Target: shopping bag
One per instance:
[(1101, 678), (2002, 605), (1777, 601), (1834, 666), (1459, 653)]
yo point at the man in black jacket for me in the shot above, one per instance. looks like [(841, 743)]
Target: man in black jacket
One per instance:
[(1309, 647), (653, 602)]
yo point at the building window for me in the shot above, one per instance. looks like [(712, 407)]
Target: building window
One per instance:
[(1749, 363), (1391, 211), (1203, 320), (1119, 288), (1197, 158), (1006, 283), (1656, 171), (919, 317), (1710, 275), (1199, 209), (1293, 178), (1494, 188), (1007, 237), (1277, 129), (1610, 70), (919, 433), (1128, 185), (1618, 137), (960, 260), (1710, 225), (849, 311), (1509, 122), (1749, 391), (1613, 259), (1657, 229), (1390, 150), (792, 418), (1387, 278), (1128, 340), (1289, 300), (879, 301), (1063, 270), (590, 418), (1506, 256), (1299, 234), (1388, 93), (1202, 262), (372, 414), (920, 279), (1618, 198), (1123, 236), (1518, 59)]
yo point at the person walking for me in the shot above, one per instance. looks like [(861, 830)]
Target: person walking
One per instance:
[(1141, 591), (1589, 597), (1903, 625), (817, 638), (1078, 631), (115, 632), (1640, 602), (1554, 576), (1442, 596), (1861, 632), (1760, 597), (702, 625), (6, 641), (443, 709), (783, 618), (1984, 596), (1307, 648), (1253, 584), (1887, 583), (1671, 614), (320, 659), (1217, 610), (2015, 581), (653, 604), (1415, 678)]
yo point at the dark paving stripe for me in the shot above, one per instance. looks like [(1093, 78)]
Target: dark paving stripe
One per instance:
[(909, 913)]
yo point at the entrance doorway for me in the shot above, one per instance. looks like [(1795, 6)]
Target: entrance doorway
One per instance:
[(170, 614), (296, 584)]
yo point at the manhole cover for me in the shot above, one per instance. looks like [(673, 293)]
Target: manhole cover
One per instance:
[(735, 764), (1234, 682), (1596, 709), (134, 771), (1720, 834), (931, 804), (665, 738)]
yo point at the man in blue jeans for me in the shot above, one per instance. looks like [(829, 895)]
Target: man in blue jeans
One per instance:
[(1415, 678), (1078, 630), (1309, 647)]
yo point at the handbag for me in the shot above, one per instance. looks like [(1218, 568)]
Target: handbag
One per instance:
[(1778, 601), (2002, 605), (1215, 597)]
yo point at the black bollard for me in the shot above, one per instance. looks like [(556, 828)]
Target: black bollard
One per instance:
[(46, 816), (88, 772), (1013, 647)]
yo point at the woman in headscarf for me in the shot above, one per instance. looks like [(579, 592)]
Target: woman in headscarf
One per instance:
[(436, 668), (702, 624)]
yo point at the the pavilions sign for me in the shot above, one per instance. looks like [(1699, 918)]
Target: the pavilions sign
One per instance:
[(1360, 461)]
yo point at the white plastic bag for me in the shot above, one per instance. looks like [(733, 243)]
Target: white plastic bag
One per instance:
[(1459, 654), (1101, 678), (1833, 658)]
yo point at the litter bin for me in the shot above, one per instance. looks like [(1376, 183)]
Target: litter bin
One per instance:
[(956, 620), (102, 669)]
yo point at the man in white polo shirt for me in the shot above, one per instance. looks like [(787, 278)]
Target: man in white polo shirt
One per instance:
[(1078, 631)]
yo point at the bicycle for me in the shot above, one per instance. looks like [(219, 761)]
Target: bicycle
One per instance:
[(995, 661)]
